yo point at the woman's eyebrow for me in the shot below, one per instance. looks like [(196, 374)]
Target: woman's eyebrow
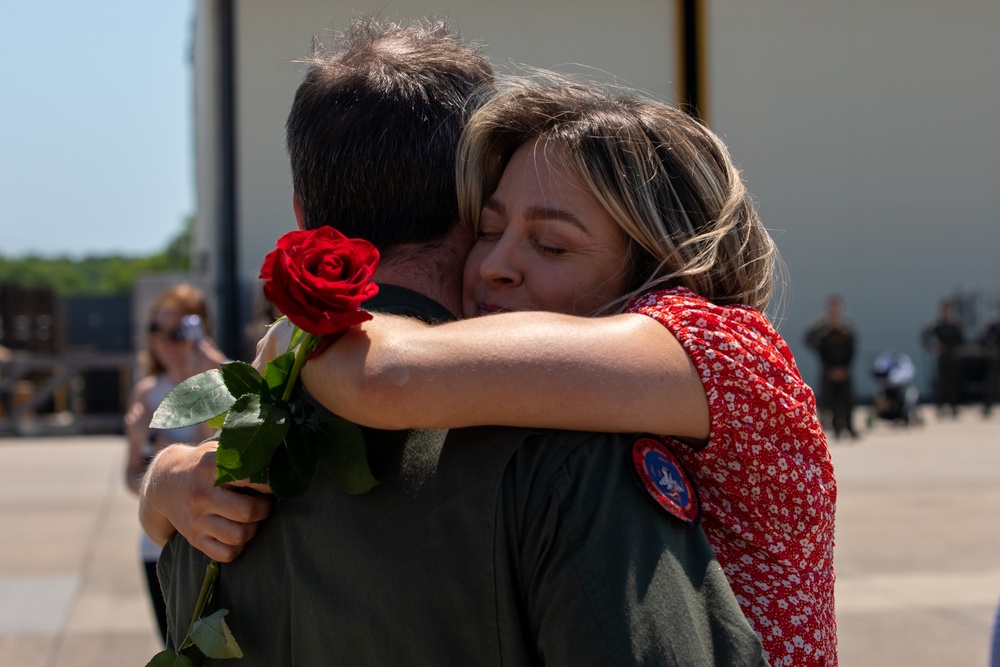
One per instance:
[(549, 213), (536, 213), (494, 205)]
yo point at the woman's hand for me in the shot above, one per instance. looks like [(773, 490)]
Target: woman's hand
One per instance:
[(274, 343), (179, 495), (204, 357)]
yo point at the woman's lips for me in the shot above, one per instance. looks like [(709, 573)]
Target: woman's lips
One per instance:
[(491, 309)]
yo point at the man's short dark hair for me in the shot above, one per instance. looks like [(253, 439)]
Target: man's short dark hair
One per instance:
[(373, 130)]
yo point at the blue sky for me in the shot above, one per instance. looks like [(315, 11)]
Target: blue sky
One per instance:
[(95, 126)]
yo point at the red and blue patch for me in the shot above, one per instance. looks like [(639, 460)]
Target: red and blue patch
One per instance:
[(663, 477)]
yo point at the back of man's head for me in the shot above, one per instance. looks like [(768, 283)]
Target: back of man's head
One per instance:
[(374, 127)]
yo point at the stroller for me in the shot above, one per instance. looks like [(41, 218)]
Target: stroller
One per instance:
[(896, 396)]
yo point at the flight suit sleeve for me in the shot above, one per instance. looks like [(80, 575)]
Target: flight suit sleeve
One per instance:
[(607, 577)]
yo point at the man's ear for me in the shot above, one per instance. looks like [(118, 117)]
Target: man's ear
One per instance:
[(297, 207)]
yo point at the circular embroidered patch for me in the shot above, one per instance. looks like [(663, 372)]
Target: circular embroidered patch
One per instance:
[(662, 476)]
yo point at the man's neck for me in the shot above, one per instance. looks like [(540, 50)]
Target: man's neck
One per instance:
[(433, 270), (421, 279)]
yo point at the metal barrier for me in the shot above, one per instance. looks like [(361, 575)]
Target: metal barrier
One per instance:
[(44, 394)]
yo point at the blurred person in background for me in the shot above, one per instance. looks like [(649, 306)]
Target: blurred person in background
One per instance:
[(264, 315), (990, 342), (177, 347), (995, 643), (944, 338), (832, 338)]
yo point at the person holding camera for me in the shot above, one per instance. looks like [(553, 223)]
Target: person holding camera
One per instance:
[(177, 348)]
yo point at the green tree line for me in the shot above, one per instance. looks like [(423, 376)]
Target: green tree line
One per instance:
[(95, 275)]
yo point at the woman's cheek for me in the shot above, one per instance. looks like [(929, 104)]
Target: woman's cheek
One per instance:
[(471, 274)]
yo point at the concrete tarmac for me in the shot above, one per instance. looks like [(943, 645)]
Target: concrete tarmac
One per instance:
[(917, 556), (72, 589), (918, 542)]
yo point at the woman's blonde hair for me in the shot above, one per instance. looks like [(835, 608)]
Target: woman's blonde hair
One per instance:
[(664, 177), (185, 299)]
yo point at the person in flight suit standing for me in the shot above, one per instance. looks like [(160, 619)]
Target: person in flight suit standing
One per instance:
[(832, 338), (944, 338)]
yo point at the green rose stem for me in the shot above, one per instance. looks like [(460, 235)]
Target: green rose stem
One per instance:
[(212, 570), (211, 573), (308, 343)]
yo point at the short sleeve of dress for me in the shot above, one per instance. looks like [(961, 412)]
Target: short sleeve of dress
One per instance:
[(765, 473)]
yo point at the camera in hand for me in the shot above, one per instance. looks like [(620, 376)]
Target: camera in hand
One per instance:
[(191, 328)]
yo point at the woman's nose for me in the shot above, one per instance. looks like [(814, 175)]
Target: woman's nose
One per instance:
[(500, 265)]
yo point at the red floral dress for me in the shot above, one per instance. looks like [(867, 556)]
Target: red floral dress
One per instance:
[(765, 478)]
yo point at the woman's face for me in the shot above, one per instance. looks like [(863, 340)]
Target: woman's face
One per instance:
[(544, 243), (167, 343)]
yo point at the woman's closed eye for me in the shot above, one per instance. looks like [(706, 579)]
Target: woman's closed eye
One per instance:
[(548, 249), (488, 235)]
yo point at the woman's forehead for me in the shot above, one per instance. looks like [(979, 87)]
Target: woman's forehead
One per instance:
[(167, 314)]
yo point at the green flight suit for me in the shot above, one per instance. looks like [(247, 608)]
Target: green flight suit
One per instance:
[(485, 546)]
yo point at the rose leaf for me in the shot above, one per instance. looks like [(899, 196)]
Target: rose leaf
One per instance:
[(259, 476), (193, 401), (241, 378), (284, 477), (300, 452), (218, 421), (194, 655), (340, 447), (167, 658), (213, 637), (277, 371), (250, 434)]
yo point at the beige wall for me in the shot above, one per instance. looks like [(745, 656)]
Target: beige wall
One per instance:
[(207, 158), (271, 35), (868, 131)]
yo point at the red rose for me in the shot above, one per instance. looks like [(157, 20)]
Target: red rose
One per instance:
[(319, 278)]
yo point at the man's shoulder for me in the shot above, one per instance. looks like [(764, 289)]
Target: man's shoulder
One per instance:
[(534, 458), (580, 522), (553, 446), (547, 461), (560, 439)]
